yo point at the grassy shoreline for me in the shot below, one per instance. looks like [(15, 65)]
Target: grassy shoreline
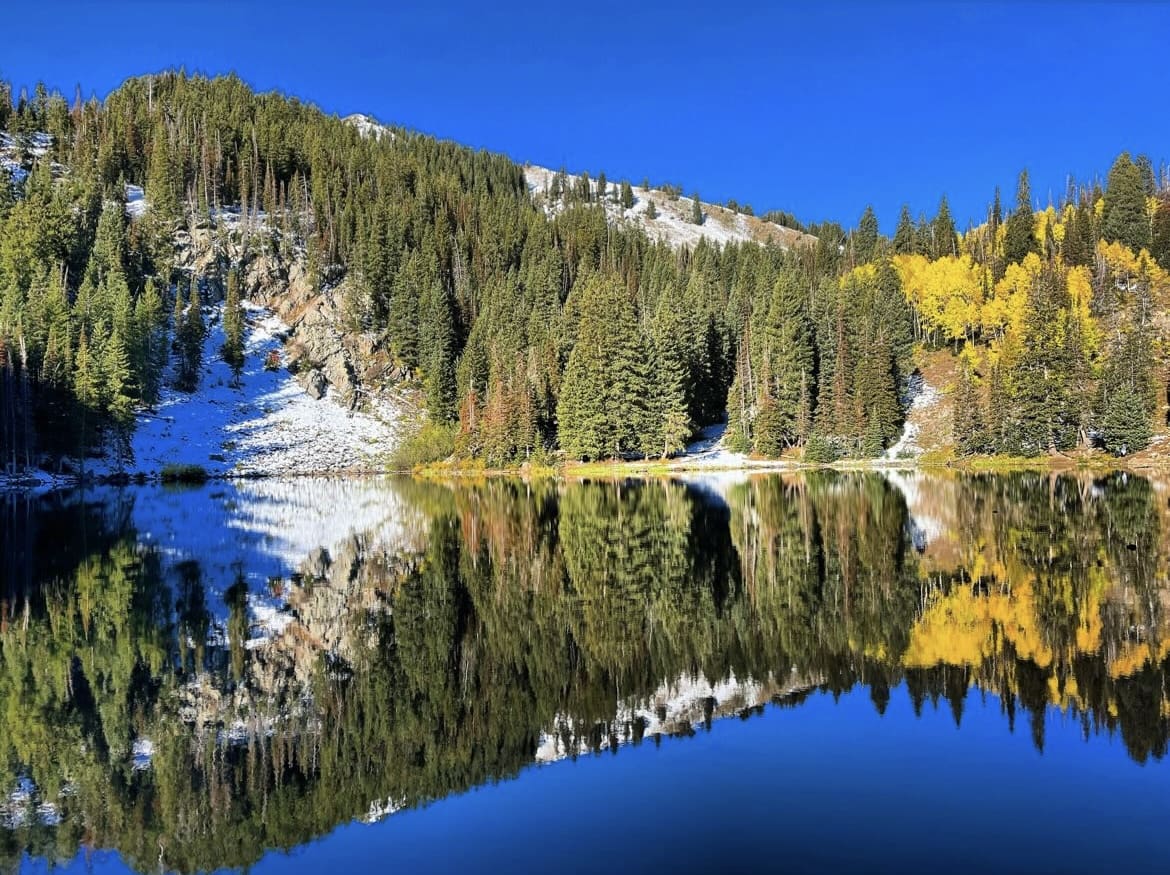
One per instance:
[(1094, 462)]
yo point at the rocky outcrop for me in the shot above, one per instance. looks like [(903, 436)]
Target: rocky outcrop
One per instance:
[(322, 348)]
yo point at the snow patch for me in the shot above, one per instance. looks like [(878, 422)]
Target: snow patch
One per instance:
[(268, 424), (369, 127), (380, 810), (709, 451), (141, 754), (685, 702), (672, 224), (17, 809), (922, 396), (268, 622), (923, 527), (135, 201)]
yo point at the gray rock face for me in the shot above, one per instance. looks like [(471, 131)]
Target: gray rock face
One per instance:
[(316, 385), (322, 344)]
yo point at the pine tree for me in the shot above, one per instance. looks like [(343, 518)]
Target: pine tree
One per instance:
[(87, 392), (604, 407), (1128, 395), (696, 209), (787, 369), (651, 209), (865, 238), (671, 376), (995, 215), (1124, 217), (943, 231), (1020, 234), (1043, 411), (189, 336), (1160, 235), (437, 343), (163, 183), (905, 242), (233, 328), (627, 196), (117, 394), (970, 437), (150, 357)]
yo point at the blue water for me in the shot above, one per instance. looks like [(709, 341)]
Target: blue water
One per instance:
[(828, 786), (457, 671)]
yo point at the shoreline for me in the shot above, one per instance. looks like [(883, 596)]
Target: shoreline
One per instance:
[(41, 481)]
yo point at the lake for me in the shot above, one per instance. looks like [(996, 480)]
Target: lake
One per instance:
[(816, 672)]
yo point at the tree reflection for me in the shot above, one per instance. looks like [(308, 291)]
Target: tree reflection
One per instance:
[(139, 699)]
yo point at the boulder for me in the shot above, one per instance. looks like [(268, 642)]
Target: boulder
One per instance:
[(316, 384)]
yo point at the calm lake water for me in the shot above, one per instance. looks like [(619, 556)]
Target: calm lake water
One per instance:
[(830, 672)]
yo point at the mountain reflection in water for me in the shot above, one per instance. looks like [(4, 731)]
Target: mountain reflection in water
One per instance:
[(195, 677)]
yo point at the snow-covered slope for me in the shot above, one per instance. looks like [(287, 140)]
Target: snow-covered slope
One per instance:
[(268, 424), (16, 150), (673, 223), (677, 706), (368, 127)]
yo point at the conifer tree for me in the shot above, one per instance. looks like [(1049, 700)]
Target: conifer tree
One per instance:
[(787, 371), (1160, 235), (117, 394), (1020, 234), (189, 336), (670, 377), (1128, 395), (970, 437), (87, 392), (1043, 411), (696, 209), (233, 328), (627, 196), (150, 357), (651, 209), (1124, 217), (437, 351), (604, 405), (943, 231), (904, 236), (865, 238)]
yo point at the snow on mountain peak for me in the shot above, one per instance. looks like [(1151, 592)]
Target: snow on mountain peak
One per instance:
[(672, 223), (368, 127)]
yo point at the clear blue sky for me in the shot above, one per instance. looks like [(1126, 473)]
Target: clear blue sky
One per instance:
[(816, 108)]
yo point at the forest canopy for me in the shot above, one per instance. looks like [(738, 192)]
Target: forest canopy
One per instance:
[(533, 331)]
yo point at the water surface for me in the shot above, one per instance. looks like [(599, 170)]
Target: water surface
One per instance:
[(794, 673)]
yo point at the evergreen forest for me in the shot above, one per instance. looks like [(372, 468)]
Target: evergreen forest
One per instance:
[(531, 332)]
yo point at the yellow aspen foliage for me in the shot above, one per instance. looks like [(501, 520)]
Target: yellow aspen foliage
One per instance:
[(1118, 265), (1080, 292), (862, 274), (1099, 208), (1057, 223), (947, 293), (1000, 236), (964, 628), (1137, 655), (1007, 306), (1045, 219)]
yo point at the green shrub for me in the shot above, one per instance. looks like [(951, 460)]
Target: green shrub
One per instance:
[(433, 442), (183, 474), (820, 451)]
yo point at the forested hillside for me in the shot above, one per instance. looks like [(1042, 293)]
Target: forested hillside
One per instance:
[(534, 324)]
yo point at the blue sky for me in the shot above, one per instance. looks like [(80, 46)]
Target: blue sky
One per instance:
[(816, 108)]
